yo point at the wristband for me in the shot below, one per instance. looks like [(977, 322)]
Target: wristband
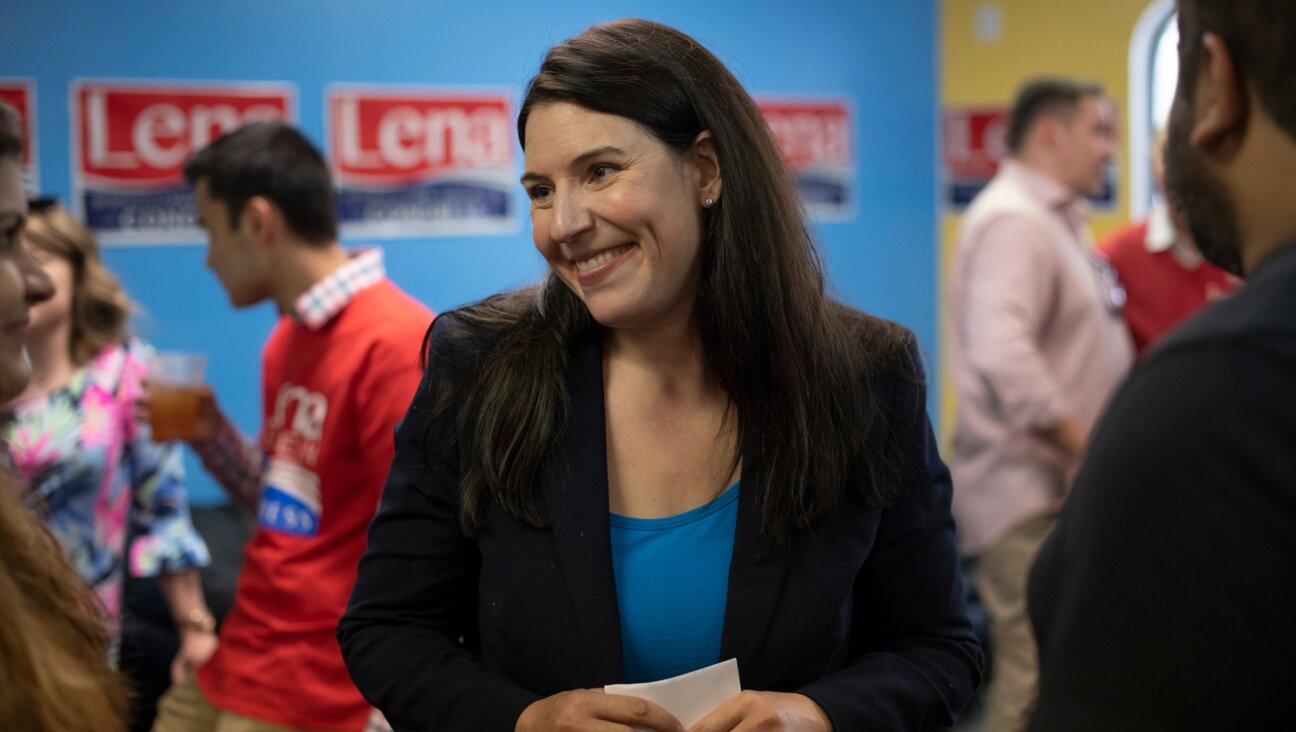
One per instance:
[(198, 618)]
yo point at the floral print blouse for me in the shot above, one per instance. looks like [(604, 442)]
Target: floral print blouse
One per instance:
[(92, 472)]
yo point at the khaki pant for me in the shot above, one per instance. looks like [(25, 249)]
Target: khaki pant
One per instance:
[(1001, 582), (184, 708)]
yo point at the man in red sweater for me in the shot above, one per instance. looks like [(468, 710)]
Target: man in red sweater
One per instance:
[(339, 370), (1165, 278)]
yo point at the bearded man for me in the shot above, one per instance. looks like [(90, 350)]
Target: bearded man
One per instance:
[(1163, 600)]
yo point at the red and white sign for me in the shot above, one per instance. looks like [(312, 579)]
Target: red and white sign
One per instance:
[(21, 95), (131, 139), (815, 137), (419, 162), (973, 141)]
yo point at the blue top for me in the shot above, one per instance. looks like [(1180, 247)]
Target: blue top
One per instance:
[(672, 580)]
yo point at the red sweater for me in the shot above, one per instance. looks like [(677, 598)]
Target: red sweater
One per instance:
[(332, 398), (1159, 290)]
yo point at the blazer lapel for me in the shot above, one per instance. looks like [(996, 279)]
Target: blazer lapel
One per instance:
[(756, 581), (575, 492)]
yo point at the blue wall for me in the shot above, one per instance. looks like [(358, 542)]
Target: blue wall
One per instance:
[(879, 53)]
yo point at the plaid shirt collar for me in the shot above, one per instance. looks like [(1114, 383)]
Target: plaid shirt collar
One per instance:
[(326, 298)]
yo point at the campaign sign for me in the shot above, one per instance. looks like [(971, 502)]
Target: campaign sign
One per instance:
[(422, 162), (815, 139), (974, 142), (21, 95), (290, 499), (130, 140)]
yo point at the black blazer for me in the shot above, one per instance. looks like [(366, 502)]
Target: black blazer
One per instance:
[(865, 614)]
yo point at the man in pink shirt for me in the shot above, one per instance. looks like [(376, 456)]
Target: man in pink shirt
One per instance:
[(1037, 345)]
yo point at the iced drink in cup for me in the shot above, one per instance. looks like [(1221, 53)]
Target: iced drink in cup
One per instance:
[(175, 393)]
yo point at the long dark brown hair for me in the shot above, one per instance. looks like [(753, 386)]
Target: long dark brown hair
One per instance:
[(792, 360)]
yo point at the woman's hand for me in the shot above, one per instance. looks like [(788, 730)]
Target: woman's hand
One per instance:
[(766, 710), (591, 709), (196, 649)]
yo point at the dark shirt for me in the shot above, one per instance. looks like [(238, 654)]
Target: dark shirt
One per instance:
[(864, 614), (1166, 597)]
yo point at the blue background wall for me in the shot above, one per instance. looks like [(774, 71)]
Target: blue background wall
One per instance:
[(878, 53)]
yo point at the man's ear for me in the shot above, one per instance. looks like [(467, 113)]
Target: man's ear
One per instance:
[(710, 180), (1048, 131), (261, 219), (1219, 101)]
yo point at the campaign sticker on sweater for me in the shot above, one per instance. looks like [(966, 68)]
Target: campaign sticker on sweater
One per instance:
[(290, 500), (130, 140), (413, 161), (296, 427)]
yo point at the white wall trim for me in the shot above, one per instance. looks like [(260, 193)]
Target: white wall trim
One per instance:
[(1142, 46)]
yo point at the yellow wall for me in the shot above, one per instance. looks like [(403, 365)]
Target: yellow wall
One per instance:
[(1083, 39)]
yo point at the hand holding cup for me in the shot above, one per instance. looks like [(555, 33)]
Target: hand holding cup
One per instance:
[(176, 394)]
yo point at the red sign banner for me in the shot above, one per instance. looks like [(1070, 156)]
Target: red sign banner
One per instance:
[(815, 137), (21, 95), (973, 141), (130, 140), (422, 162)]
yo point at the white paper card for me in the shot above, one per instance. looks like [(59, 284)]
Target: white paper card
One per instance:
[(690, 696)]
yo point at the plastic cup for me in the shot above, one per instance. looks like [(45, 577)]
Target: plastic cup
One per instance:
[(175, 394)]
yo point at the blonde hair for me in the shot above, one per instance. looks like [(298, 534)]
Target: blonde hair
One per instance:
[(54, 676), (100, 307)]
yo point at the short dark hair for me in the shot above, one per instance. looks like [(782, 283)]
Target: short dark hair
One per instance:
[(1260, 35), (276, 161), (11, 137), (1041, 98)]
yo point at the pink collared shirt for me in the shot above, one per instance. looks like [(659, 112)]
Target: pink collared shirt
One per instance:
[(1034, 335)]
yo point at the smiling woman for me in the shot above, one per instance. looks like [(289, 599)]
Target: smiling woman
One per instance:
[(677, 449), (617, 214)]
